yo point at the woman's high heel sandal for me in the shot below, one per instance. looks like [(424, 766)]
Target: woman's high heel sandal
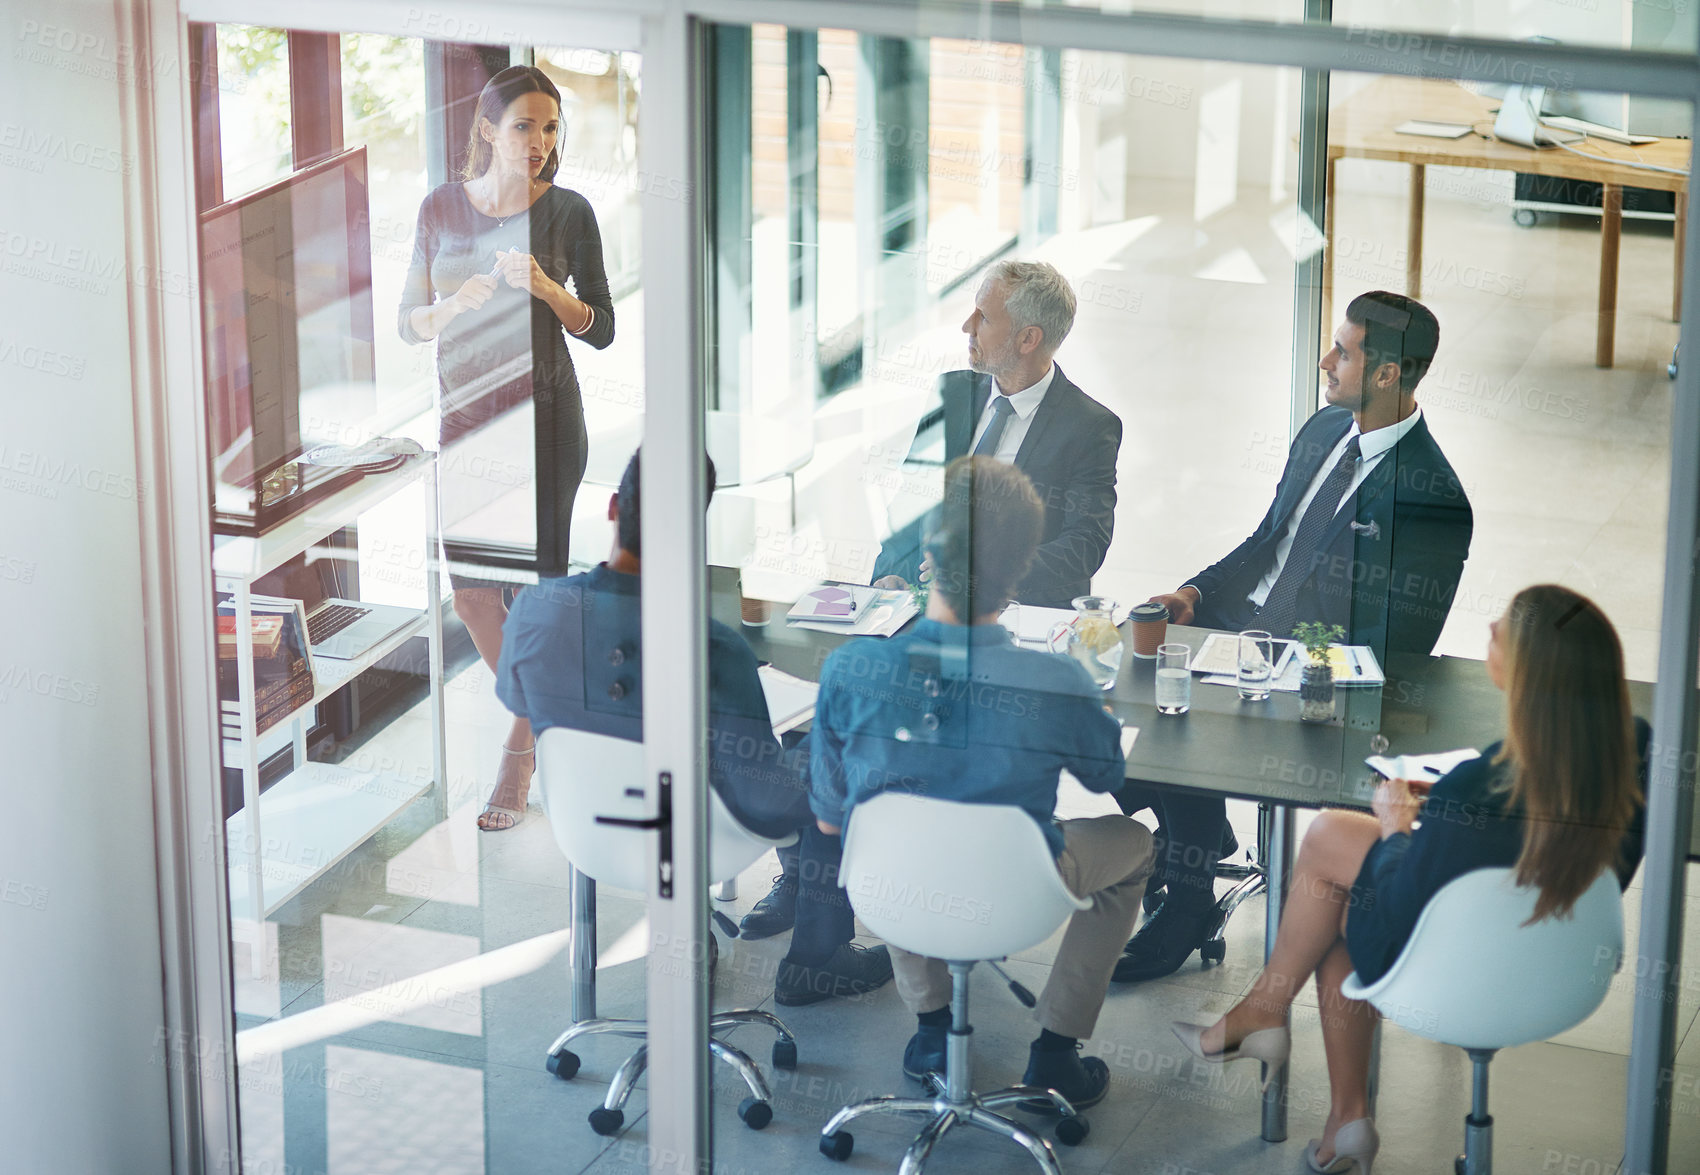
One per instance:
[(1355, 1145), (1269, 1045), (498, 819)]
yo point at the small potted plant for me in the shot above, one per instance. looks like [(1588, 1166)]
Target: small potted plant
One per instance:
[(1316, 687)]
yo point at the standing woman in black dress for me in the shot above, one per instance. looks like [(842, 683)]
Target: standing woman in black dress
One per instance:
[(492, 257)]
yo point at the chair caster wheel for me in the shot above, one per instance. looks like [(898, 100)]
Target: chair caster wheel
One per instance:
[(1213, 951), (784, 1054), (605, 1121), (755, 1113), (563, 1065), (837, 1146), (1072, 1130)]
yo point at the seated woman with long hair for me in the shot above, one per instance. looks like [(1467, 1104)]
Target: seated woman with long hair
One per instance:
[(1558, 800)]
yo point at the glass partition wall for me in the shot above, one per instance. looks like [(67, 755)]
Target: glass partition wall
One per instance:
[(833, 241)]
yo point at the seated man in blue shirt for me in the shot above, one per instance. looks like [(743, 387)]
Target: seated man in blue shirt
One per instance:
[(572, 656), (891, 714)]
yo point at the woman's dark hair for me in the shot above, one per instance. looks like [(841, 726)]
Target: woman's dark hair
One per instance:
[(1570, 742), (982, 534), (1397, 330), (493, 102), (628, 531)]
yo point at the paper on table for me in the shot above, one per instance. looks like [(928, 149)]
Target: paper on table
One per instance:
[(790, 700), (878, 613), (1219, 656), (1031, 625), (1420, 768), (1129, 734)]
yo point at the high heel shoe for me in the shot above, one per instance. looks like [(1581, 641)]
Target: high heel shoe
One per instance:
[(1355, 1146), (1269, 1045), (495, 818)]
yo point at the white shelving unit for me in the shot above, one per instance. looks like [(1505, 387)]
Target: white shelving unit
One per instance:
[(314, 817)]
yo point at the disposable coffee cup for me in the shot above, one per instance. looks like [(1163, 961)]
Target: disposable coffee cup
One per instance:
[(754, 613), (1150, 627)]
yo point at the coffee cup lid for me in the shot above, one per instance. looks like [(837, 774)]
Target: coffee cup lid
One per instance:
[(1148, 612)]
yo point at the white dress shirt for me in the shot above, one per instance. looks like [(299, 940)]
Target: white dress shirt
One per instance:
[(1372, 447), (1026, 403)]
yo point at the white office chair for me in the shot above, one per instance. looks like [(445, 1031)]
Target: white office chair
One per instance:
[(586, 780), (963, 883), (1473, 975)]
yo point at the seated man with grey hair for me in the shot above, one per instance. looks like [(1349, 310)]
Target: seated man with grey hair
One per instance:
[(1015, 404)]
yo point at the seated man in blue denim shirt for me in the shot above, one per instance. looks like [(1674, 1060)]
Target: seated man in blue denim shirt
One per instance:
[(572, 656), (953, 707)]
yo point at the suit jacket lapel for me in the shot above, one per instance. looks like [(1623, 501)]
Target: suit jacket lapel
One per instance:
[(962, 413), (1054, 403), (1381, 477), (1312, 457)]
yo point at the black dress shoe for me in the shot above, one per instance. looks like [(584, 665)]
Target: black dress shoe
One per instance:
[(774, 914), (924, 1055), (1167, 940), (1082, 1080), (851, 971)]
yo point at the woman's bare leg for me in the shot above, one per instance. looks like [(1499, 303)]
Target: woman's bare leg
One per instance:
[(1333, 851), (482, 611), (1348, 1029)]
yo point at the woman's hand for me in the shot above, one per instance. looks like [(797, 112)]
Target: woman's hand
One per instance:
[(521, 271), (473, 293), (1395, 806)]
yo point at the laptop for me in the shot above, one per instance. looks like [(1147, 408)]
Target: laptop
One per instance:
[(341, 630)]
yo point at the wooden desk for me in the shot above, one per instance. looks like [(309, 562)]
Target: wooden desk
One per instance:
[(1361, 127)]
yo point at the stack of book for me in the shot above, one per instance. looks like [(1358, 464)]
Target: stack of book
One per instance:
[(283, 665)]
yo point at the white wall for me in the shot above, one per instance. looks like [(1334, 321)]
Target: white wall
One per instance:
[(82, 1087)]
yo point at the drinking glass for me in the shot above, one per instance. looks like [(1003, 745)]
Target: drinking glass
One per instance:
[(1256, 668), (1174, 679)]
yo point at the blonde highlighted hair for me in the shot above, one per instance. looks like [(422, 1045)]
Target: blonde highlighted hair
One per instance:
[(1570, 742)]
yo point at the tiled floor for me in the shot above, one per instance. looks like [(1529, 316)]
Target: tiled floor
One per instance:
[(422, 979)]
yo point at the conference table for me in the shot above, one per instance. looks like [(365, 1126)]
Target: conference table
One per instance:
[(1256, 751), (1362, 127)]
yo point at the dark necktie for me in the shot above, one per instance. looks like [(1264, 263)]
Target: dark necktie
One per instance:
[(1002, 410), (1277, 615)]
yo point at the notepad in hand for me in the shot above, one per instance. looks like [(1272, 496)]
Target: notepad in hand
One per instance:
[(832, 603), (1422, 770)]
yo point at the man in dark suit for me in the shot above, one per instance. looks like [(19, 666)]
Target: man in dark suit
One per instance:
[(1369, 530), (1015, 404)]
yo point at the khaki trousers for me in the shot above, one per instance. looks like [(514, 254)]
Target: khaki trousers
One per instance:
[(1105, 858)]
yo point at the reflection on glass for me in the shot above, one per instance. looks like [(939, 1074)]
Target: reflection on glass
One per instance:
[(254, 109)]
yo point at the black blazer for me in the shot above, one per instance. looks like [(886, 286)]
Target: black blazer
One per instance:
[(1387, 568), (1466, 825), (1070, 453)]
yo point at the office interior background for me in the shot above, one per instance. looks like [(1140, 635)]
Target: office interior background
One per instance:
[(797, 202)]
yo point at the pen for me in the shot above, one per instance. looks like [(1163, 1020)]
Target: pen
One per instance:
[(1357, 669)]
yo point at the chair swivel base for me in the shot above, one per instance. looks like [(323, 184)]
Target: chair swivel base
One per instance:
[(957, 1104), (1249, 882), (946, 1113), (755, 1110)]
